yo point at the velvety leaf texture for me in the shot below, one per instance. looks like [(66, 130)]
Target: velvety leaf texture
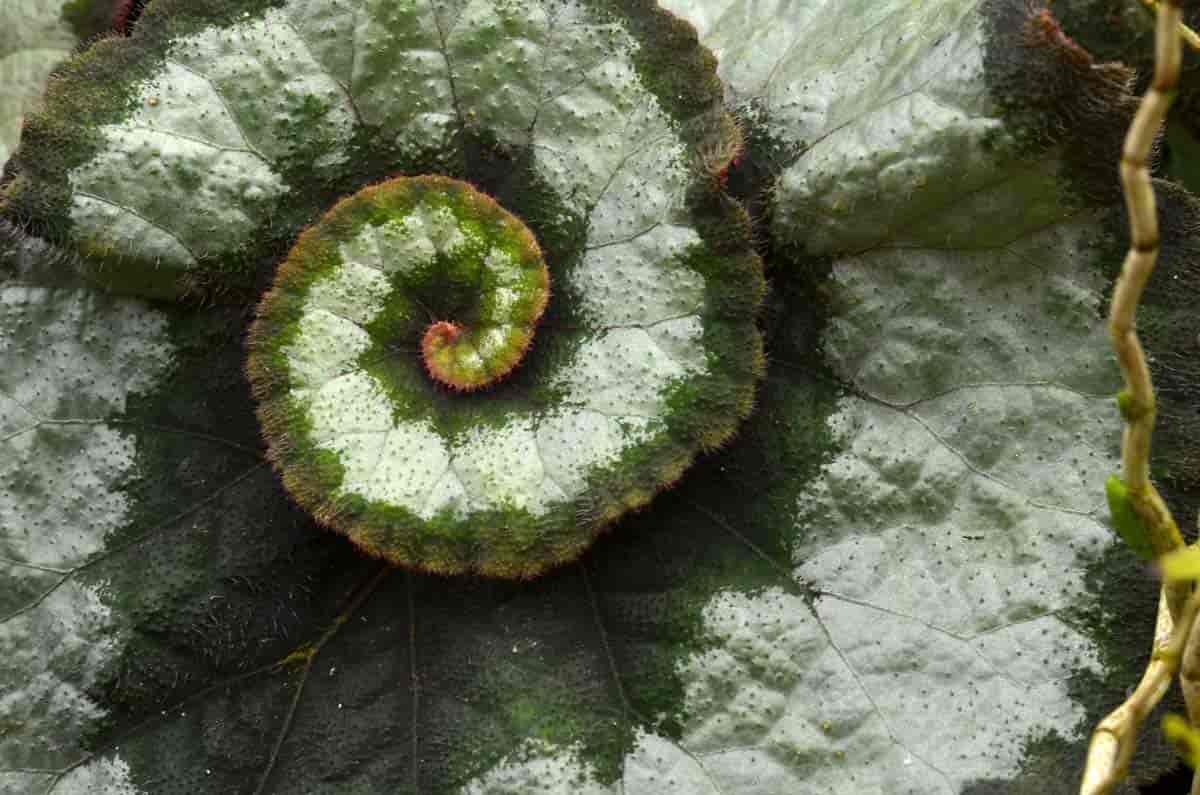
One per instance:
[(28, 51), (38, 35), (898, 576)]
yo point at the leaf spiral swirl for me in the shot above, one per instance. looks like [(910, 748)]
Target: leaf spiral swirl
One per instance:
[(594, 123)]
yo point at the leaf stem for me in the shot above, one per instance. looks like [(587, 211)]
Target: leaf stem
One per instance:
[(1138, 402), (1189, 683), (1115, 738), (1190, 37)]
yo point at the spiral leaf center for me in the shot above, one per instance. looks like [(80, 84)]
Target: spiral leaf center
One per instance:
[(455, 263), (491, 262)]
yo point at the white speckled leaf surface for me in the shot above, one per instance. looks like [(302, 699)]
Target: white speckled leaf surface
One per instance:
[(881, 586), (33, 41)]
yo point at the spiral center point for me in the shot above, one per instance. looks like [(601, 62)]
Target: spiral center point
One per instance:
[(454, 359), (433, 265)]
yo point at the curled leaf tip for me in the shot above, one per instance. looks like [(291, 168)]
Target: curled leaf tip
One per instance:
[(412, 396), (376, 359)]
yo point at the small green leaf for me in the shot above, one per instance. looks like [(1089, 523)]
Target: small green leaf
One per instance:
[(1131, 410), (1185, 739), (1182, 564), (1126, 520), (1126, 405)]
